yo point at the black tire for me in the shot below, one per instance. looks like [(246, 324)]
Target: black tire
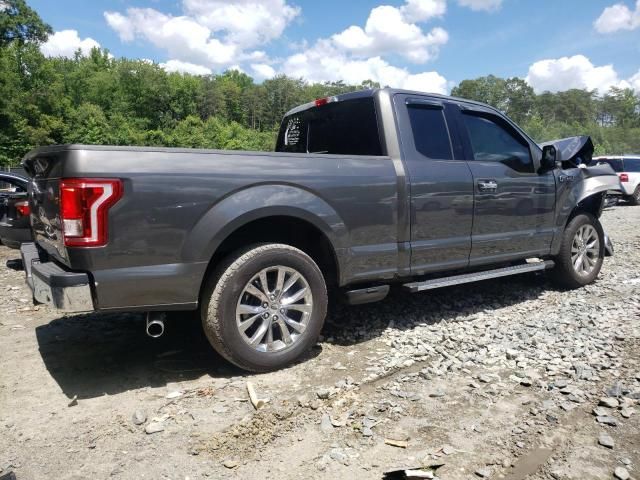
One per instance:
[(564, 274), (224, 289), (634, 199)]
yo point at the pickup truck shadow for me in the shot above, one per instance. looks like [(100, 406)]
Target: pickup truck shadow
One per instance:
[(96, 354)]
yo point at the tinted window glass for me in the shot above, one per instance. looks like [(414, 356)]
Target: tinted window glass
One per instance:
[(632, 164), (492, 142), (347, 127), (616, 163), (11, 185), (430, 133)]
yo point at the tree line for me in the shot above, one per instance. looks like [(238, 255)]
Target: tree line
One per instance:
[(98, 99), (611, 119)]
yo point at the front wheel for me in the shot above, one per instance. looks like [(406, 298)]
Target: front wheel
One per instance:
[(581, 252), (264, 306)]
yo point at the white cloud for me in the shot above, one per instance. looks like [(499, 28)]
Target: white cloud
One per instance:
[(122, 25), (246, 22), (324, 62), (214, 33), (357, 54), (182, 37), (618, 17), (263, 71), (477, 5), (390, 30), (65, 43), (185, 67), (634, 82), (224, 34), (572, 72), (421, 10), (431, 82)]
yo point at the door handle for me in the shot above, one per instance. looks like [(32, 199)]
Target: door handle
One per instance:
[(487, 185)]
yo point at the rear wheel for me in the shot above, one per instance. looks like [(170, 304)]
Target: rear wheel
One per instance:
[(634, 198), (581, 252), (264, 306)]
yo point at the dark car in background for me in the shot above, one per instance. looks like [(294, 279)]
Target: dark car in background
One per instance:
[(15, 227)]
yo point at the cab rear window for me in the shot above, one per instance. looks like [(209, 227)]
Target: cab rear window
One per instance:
[(347, 127)]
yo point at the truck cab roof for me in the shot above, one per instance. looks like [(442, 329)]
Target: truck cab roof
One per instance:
[(387, 90)]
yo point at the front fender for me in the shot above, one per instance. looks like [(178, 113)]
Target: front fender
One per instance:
[(596, 184), (260, 201), (584, 188)]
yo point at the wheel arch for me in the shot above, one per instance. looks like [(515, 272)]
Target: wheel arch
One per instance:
[(270, 214), (587, 196)]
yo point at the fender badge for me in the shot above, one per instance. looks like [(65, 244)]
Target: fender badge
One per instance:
[(566, 178)]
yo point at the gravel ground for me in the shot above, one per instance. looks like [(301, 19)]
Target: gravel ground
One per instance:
[(502, 379)]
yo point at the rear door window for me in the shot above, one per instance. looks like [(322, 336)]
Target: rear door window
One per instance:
[(347, 127), (632, 165), (430, 133)]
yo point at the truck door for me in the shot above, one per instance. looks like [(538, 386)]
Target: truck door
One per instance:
[(440, 184), (514, 204)]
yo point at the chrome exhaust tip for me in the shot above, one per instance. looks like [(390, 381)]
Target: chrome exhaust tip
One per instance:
[(155, 325)]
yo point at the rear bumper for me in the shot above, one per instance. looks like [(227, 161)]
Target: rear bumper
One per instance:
[(627, 188), (12, 236), (52, 285)]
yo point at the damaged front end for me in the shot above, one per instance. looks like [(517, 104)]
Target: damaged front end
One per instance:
[(580, 183), (576, 172), (572, 151)]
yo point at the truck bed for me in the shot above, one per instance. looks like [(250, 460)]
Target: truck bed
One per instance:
[(180, 204)]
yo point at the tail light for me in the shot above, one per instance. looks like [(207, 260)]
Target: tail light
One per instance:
[(624, 177), (23, 208), (84, 207), (323, 101)]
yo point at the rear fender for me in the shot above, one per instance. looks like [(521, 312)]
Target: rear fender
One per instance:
[(253, 203)]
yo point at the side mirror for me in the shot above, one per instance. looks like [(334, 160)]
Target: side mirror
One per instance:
[(549, 158)]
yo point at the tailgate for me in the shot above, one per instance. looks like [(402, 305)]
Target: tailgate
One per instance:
[(45, 166)]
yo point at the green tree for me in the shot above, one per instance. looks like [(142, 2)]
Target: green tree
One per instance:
[(88, 124), (621, 107), (96, 98), (490, 90), (20, 23), (513, 96)]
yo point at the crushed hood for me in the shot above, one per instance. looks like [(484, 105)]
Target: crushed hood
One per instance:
[(580, 174), (574, 150)]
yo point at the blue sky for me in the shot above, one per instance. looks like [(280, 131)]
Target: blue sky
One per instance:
[(424, 44)]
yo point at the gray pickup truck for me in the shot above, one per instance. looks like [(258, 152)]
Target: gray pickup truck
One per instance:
[(365, 190)]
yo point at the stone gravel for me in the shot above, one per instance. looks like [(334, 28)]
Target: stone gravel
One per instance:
[(508, 378)]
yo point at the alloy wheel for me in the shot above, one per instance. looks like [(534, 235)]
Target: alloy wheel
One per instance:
[(585, 250), (274, 309)]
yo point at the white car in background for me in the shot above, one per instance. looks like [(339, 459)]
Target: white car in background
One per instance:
[(628, 169)]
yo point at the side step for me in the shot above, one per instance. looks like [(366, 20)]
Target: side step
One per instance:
[(477, 276)]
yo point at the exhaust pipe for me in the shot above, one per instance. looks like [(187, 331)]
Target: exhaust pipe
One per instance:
[(155, 324)]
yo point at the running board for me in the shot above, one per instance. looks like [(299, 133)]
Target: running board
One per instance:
[(477, 276)]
